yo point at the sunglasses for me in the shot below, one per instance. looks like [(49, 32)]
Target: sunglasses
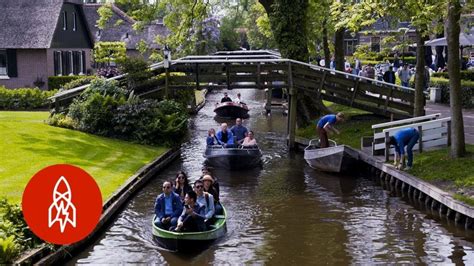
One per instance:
[(166, 187), (199, 186), (181, 177)]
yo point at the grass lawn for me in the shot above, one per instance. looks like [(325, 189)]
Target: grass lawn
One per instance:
[(358, 124), (456, 174), (28, 145)]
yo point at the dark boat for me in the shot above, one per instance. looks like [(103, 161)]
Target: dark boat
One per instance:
[(336, 158), (232, 110), (191, 241), (233, 158)]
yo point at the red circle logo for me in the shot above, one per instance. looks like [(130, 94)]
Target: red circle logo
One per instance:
[(62, 204)]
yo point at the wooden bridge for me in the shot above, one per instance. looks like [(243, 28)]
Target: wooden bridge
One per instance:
[(267, 70)]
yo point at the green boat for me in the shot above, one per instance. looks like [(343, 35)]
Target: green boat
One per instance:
[(191, 241)]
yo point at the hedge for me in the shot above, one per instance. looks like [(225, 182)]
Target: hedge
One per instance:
[(24, 98), (57, 82), (467, 91), (465, 75)]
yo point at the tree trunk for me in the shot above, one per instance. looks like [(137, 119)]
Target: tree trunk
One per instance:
[(327, 53), (419, 75), (458, 148), (288, 22), (339, 49)]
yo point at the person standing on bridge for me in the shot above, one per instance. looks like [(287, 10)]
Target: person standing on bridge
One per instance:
[(404, 137), (326, 124)]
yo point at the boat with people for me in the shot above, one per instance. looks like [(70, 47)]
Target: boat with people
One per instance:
[(335, 158), (233, 157), (232, 110), (191, 241)]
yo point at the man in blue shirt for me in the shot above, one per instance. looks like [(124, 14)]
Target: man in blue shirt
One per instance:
[(404, 137), (168, 207), (225, 136), (239, 131), (325, 124), (193, 216)]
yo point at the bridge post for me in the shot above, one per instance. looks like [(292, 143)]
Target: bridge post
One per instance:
[(292, 111), (167, 75)]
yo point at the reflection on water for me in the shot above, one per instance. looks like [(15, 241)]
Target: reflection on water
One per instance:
[(286, 212)]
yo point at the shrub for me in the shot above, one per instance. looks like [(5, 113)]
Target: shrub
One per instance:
[(57, 82), (78, 82), (466, 86), (61, 120), (93, 111), (137, 72), (108, 72), (24, 98), (465, 75), (151, 122), (15, 235)]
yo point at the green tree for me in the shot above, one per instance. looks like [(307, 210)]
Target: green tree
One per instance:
[(107, 52), (458, 148)]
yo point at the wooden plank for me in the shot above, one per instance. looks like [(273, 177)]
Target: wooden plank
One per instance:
[(426, 125), (406, 121), (354, 93), (293, 110)]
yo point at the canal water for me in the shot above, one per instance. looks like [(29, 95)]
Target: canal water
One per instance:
[(285, 212)]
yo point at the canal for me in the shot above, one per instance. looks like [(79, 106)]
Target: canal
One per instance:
[(285, 212)]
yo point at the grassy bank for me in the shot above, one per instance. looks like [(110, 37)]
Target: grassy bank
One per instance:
[(358, 124), (456, 175), (28, 145)]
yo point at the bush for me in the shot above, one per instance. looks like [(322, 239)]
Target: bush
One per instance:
[(78, 82), (467, 91), (465, 75), (15, 236), (57, 82), (24, 98), (108, 72), (61, 120), (151, 122), (137, 72), (93, 111)]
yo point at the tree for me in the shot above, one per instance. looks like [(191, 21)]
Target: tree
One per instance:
[(457, 125), (108, 52)]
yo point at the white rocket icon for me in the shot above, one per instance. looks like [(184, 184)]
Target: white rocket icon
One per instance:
[(62, 210)]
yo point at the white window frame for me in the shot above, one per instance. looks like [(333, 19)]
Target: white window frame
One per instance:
[(60, 64), (81, 67), (64, 20), (74, 22), (71, 63), (5, 76)]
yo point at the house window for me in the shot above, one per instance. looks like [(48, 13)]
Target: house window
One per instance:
[(375, 44), (74, 22), (3, 63), (57, 64), (64, 20)]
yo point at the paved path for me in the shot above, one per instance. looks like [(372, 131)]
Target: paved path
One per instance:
[(468, 117)]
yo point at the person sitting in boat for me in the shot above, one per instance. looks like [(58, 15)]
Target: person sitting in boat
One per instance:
[(168, 207), (182, 185), (249, 140), (211, 137), (192, 217), (226, 98), (225, 136), (204, 198), (325, 125), (239, 99), (239, 131), (404, 137), (215, 184), (208, 181)]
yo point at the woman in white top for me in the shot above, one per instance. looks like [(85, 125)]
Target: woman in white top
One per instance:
[(249, 140)]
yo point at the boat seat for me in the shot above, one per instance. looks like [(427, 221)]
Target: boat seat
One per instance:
[(219, 216)]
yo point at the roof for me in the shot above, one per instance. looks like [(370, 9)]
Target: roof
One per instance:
[(122, 31), (27, 25)]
